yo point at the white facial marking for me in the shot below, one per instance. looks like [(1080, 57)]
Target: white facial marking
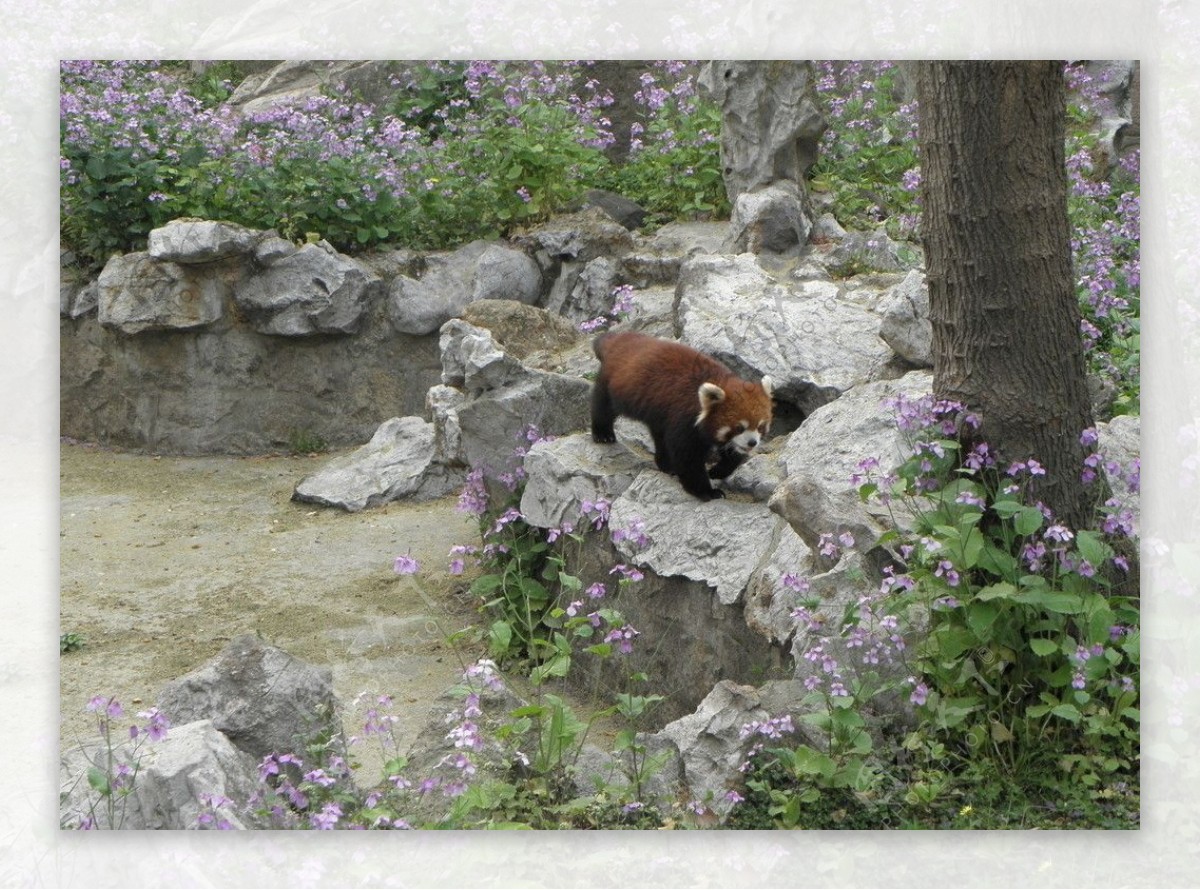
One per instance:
[(768, 384), (746, 440)]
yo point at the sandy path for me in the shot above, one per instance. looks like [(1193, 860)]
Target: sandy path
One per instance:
[(164, 560)]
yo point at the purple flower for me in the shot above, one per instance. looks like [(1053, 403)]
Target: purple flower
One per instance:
[(920, 692), (596, 591), (405, 565)]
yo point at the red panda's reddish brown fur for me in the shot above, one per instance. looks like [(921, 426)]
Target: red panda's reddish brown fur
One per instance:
[(691, 402)]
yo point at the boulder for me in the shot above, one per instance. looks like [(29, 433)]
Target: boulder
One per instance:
[(817, 495), (771, 219), (316, 290), (584, 292), (201, 241), (628, 213), (710, 744), (769, 600), (564, 473), (814, 345), (174, 774), (138, 293), (263, 699), (720, 542), (399, 462), (422, 305), (771, 121), (861, 252), (580, 237), (506, 274), (442, 403), (905, 324), (473, 361), (521, 330)]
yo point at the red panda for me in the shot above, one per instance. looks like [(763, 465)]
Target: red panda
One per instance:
[(692, 403)]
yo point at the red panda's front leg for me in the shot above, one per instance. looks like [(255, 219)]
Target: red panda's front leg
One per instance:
[(687, 460)]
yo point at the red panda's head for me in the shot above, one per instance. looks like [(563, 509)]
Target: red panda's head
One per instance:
[(737, 415)]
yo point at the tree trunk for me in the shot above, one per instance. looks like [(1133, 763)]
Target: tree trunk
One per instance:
[(1006, 337)]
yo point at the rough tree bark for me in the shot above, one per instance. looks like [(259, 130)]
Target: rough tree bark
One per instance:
[(1006, 337)]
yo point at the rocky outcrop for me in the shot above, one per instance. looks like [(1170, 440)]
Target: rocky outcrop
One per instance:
[(138, 293), (400, 461), (814, 344), (771, 121), (174, 775), (260, 697), (817, 496)]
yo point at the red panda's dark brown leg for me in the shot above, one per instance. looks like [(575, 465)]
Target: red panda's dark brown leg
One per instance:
[(689, 464), (603, 415), (729, 461)]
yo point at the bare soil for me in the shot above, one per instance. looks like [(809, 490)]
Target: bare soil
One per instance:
[(166, 559)]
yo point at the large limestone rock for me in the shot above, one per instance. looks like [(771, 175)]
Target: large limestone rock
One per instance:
[(814, 345), (905, 326), (400, 461), (173, 775), (719, 542), (772, 219), (263, 699), (138, 293), (505, 398), (422, 305), (817, 495), (316, 290), (771, 121), (565, 473), (201, 241)]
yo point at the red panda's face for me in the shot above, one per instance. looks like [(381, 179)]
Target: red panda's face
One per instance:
[(737, 416)]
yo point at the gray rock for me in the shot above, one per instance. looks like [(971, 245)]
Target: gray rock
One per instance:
[(200, 241), (400, 462), (83, 300), (173, 773), (520, 330), (446, 287), (314, 291), (772, 219), (506, 274), (817, 496), (566, 472), (813, 344), (719, 542), (442, 402), (581, 237), (628, 213), (905, 322), (272, 249), (760, 475), (265, 700), (472, 360), (138, 293), (590, 293), (769, 601), (861, 252), (1120, 441), (494, 423), (771, 121), (710, 745)]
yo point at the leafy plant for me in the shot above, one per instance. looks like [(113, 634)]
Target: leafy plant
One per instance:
[(69, 642)]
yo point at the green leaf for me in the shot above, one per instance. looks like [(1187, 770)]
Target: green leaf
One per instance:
[(98, 779), (1043, 647), (1028, 521), (1067, 712), (980, 617), (1052, 601), (500, 636), (1093, 548), (1002, 590)]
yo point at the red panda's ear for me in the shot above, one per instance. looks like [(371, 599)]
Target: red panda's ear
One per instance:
[(710, 394), (768, 385)]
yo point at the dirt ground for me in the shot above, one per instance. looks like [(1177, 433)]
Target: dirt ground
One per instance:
[(165, 559)]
